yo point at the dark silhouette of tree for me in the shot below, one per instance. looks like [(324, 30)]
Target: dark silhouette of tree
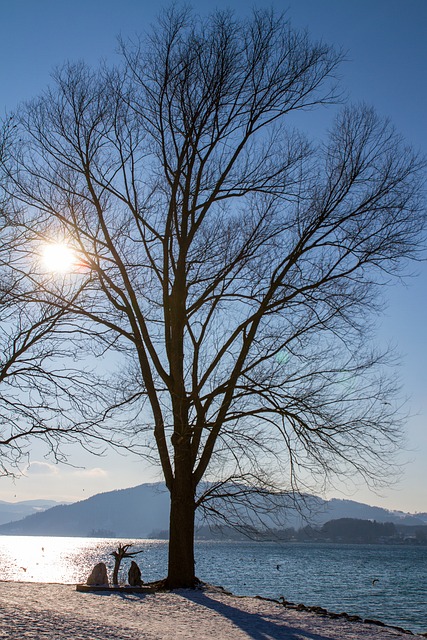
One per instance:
[(233, 265), (119, 555)]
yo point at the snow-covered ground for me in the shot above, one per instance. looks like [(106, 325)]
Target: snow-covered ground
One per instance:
[(53, 611)]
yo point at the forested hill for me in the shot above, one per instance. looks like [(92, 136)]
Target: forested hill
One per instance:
[(133, 512), (141, 511)]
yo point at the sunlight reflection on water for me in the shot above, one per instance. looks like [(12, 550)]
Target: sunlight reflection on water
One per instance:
[(70, 560)]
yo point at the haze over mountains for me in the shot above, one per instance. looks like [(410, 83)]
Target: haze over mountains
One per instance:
[(10, 511), (139, 511)]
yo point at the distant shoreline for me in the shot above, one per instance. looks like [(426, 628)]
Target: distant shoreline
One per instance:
[(273, 539)]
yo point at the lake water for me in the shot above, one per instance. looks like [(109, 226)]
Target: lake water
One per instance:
[(388, 583)]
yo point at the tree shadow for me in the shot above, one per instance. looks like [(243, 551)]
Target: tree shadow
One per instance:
[(253, 624)]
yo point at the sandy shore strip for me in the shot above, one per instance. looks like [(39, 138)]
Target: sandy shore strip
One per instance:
[(53, 611)]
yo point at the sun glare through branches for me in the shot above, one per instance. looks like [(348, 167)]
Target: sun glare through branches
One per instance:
[(58, 257)]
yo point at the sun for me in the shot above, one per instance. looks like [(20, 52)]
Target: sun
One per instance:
[(58, 257)]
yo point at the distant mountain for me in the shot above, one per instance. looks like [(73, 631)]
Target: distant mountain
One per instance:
[(10, 511), (131, 513), (139, 511)]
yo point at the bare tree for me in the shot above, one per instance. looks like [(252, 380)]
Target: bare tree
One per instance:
[(233, 263)]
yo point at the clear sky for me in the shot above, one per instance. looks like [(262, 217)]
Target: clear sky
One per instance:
[(386, 66)]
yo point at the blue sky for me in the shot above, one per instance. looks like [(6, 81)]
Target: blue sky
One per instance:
[(386, 67)]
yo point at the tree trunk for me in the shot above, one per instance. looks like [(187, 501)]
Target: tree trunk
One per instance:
[(181, 531)]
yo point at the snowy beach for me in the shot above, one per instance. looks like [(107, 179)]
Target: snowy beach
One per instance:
[(52, 611)]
